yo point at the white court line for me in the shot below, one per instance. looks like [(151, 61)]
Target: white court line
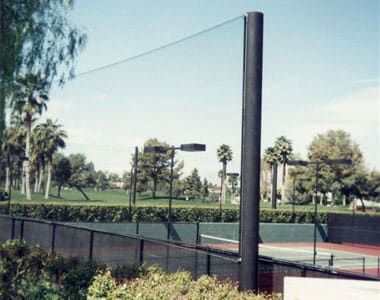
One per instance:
[(294, 250)]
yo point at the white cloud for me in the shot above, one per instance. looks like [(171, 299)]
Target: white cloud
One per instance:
[(365, 81), (58, 108), (362, 107), (357, 113)]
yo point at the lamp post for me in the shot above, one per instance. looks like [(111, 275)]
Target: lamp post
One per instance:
[(160, 150), (317, 163)]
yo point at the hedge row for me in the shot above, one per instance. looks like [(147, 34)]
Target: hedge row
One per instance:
[(69, 213)]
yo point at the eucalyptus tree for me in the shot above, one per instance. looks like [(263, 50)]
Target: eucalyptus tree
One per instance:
[(337, 144), (62, 171), (36, 37), (224, 154), (52, 137), (283, 146), (154, 168), (28, 101)]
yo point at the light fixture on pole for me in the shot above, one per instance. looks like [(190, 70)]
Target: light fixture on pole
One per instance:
[(317, 163), (194, 147)]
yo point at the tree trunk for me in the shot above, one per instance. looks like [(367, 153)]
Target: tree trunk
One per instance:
[(48, 181), (274, 185), (223, 196), (154, 188), (36, 180), (41, 180), (82, 192), (28, 125), (362, 202), (7, 179), (59, 191), (283, 183), (23, 178)]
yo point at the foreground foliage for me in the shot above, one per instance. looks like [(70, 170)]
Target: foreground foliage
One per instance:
[(159, 285), (27, 273)]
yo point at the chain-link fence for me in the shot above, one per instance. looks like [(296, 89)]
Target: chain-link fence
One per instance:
[(126, 249), (354, 229)]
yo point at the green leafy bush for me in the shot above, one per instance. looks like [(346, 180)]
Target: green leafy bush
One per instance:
[(70, 213), (159, 285), (27, 273), (22, 274)]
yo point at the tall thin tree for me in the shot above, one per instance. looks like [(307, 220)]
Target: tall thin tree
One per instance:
[(53, 139), (283, 146), (224, 154), (29, 100)]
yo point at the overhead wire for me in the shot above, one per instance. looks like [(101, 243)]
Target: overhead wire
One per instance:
[(159, 48)]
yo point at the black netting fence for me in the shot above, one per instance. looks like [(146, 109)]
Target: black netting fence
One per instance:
[(115, 249), (355, 229)]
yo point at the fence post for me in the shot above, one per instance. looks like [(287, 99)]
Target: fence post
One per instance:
[(363, 264), (52, 244), (137, 227), (141, 258), (197, 238), (208, 264), (331, 261), (90, 255), (22, 230)]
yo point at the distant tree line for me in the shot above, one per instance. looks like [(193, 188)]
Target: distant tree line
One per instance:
[(343, 183)]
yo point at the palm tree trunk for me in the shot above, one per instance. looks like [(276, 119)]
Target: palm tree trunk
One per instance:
[(223, 199), (36, 172), (40, 180), (48, 181), (28, 125), (23, 178), (7, 179), (283, 183)]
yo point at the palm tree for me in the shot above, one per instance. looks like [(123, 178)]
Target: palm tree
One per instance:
[(12, 149), (38, 158), (53, 138), (224, 154), (283, 147), (29, 100), (272, 157)]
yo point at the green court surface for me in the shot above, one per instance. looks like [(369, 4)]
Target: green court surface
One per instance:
[(336, 256)]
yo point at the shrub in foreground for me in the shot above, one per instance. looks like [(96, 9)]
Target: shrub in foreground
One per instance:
[(31, 273), (159, 285)]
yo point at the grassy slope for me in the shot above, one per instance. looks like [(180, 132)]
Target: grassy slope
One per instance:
[(118, 197)]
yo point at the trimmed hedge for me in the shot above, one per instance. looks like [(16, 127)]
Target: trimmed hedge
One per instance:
[(71, 213)]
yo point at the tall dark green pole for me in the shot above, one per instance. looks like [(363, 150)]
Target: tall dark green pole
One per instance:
[(251, 146), (136, 159), (274, 185), (315, 213), (130, 196), (172, 151)]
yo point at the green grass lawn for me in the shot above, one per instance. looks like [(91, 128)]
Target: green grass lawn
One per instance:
[(119, 197), (111, 197)]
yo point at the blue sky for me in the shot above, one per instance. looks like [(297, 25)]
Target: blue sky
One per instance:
[(321, 71)]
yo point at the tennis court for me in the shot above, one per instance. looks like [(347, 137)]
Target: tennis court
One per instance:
[(353, 258)]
